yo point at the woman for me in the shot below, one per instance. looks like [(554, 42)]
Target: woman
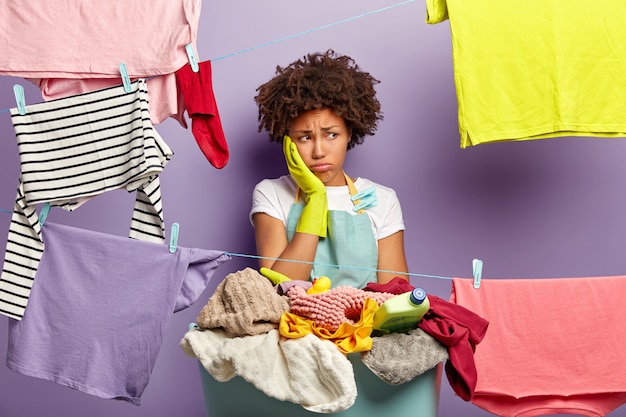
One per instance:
[(320, 221)]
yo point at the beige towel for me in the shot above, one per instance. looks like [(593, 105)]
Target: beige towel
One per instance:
[(244, 303)]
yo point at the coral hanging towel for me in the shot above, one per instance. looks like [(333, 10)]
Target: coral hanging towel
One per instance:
[(555, 346)]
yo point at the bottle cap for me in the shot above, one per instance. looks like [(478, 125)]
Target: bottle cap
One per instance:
[(417, 296)]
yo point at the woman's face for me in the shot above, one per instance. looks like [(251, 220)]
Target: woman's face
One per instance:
[(322, 141)]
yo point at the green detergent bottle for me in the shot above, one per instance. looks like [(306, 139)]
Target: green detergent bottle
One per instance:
[(401, 313)]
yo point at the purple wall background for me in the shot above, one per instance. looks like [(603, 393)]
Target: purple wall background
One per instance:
[(548, 208)]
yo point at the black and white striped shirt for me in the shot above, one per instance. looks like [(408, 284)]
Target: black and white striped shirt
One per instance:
[(72, 150)]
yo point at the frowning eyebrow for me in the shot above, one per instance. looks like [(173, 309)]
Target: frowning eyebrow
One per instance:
[(326, 129)]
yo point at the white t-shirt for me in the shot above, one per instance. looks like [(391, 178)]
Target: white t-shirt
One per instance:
[(275, 197)]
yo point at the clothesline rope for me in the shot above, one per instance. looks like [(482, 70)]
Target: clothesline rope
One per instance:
[(243, 255), (296, 35), (306, 32)]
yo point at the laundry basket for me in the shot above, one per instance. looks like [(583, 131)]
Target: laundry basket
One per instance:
[(418, 397)]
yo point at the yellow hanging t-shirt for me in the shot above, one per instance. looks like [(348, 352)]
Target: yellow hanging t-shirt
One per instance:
[(532, 69)]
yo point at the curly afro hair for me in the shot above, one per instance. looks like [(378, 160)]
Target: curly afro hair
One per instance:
[(320, 80)]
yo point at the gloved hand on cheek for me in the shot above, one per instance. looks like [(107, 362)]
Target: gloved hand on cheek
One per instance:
[(314, 217)]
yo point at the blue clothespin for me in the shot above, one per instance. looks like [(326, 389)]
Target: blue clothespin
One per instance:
[(18, 90), (174, 237), (43, 213), (365, 199), (125, 78), (193, 60), (477, 271)]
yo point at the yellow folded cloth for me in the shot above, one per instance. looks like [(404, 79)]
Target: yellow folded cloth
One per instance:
[(348, 337)]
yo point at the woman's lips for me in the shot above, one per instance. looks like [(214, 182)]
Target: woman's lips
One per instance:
[(320, 168)]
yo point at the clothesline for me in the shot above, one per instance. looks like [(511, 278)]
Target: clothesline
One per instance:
[(409, 274), (245, 255), (306, 32), (295, 35)]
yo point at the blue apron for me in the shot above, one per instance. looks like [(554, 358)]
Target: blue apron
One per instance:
[(349, 253)]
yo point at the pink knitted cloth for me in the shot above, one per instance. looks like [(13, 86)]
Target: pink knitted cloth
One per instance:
[(331, 308)]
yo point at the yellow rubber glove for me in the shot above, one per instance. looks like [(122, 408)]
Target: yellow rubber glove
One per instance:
[(314, 218), (275, 277)]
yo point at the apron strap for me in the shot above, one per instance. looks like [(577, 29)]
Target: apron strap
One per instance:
[(351, 190)]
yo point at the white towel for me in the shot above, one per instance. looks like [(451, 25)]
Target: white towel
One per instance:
[(308, 371)]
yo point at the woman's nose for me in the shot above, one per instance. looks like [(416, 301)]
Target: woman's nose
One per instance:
[(318, 149)]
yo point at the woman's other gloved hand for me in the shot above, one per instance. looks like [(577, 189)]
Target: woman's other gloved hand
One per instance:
[(275, 277), (314, 218)]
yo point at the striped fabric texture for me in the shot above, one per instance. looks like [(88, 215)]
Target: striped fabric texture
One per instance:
[(70, 151)]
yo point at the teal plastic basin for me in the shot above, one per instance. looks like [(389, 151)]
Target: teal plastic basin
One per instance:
[(416, 398)]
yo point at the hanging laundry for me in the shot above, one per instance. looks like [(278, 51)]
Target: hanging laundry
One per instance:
[(100, 308), (164, 98), (66, 60), (72, 150), (536, 69), (199, 101), (555, 346), (150, 38)]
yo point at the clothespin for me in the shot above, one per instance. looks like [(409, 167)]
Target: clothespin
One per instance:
[(18, 90), (174, 237), (193, 60), (43, 213), (125, 78), (477, 272)]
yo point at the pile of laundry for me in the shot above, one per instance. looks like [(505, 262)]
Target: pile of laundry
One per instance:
[(292, 345)]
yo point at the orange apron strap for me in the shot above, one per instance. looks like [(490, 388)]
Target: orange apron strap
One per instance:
[(351, 190)]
